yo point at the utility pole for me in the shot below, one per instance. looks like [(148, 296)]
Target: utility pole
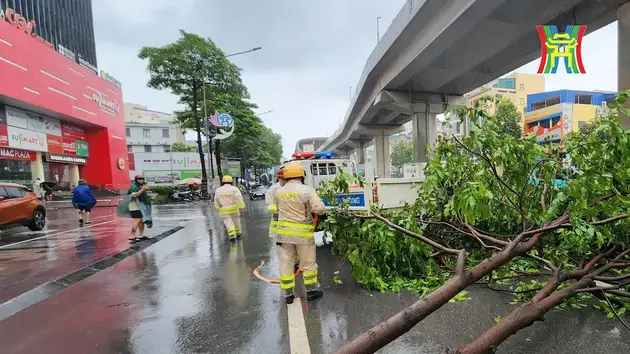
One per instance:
[(205, 113)]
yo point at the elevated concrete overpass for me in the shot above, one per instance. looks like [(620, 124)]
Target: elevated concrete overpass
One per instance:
[(435, 51)]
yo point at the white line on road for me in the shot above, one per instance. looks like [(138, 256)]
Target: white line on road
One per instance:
[(298, 340), (58, 233)]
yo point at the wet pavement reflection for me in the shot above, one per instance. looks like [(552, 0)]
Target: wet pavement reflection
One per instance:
[(194, 292)]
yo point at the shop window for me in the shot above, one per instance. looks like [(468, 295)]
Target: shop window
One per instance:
[(16, 171), (545, 124), (584, 99), (147, 148), (581, 123), (165, 133), (555, 121), (146, 133), (128, 132)]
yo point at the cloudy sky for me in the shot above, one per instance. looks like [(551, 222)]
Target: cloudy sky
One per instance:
[(313, 52)]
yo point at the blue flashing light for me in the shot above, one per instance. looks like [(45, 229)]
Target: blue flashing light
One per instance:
[(327, 155)]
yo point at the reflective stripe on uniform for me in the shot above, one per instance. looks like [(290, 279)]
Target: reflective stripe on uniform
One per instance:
[(292, 232), (228, 210), (273, 208), (287, 282), (240, 204), (274, 223), (231, 231), (310, 277), (297, 225)]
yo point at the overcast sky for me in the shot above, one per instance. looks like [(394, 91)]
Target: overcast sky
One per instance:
[(313, 52)]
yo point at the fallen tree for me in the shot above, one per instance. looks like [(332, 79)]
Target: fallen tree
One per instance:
[(499, 208)]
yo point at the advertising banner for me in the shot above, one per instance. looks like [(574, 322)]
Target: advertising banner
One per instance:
[(72, 131), (82, 148), (26, 139), (55, 144), (69, 146), (16, 117), (4, 136), (166, 168), (15, 154)]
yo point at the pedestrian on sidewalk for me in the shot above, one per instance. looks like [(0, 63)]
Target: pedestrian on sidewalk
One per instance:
[(83, 200), (297, 203), (229, 202), (137, 205)]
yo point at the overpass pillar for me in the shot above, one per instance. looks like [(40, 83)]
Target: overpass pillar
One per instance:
[(623, 45), (424, 132), (383, 161)]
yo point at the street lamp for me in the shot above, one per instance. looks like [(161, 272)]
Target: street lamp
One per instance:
[(247, 51), (205, 109)]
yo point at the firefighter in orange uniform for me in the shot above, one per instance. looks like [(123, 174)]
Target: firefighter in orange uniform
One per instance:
[(296, 203)]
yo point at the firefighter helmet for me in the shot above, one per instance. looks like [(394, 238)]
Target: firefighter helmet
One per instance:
[(293, 170), (227, 179)]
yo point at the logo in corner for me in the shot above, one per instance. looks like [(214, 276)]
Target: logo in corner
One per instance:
[(566, 46), (121, 163)]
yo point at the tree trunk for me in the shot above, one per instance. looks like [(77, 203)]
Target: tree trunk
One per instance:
[(397, 325), (522, 317), (204, 173)]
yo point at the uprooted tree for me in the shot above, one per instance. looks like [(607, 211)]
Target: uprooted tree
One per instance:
[(550, 219)]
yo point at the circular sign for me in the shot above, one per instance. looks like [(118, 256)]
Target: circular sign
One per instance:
[(225, 119), (121, 163)]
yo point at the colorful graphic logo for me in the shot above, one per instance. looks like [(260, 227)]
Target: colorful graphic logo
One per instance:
[(566, 46), (224, 123)]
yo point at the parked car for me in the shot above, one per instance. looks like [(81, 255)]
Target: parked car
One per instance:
[(257, 192), (19, 206)]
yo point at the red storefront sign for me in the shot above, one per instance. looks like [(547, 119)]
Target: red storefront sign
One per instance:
[(4, 136), (69, 146), (19, 22), (15, 154), (55, 144), (72, 132)]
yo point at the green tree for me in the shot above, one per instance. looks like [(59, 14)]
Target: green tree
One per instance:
[(509, 117), (491, 209), (184, 67), (181, 147), (402, 154)]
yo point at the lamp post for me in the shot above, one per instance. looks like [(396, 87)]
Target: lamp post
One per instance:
[(217, 149)]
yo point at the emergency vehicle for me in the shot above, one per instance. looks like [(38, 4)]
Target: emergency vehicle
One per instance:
[(322, 166)]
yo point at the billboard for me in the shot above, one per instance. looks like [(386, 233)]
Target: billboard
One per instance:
[(26, 139), (165, 167), (549, 123)]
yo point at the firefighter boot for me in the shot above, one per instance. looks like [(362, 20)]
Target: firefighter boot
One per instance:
[(314, 294)]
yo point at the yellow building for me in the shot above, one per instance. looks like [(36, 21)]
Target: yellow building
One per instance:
[(514, 87), (551, 115)]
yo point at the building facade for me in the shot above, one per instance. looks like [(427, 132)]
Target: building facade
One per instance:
[(66, 26), (551, 115), (515, 87), (59, 121), (150, 131)]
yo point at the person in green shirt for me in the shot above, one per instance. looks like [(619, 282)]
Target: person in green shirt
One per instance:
[(139, 200)]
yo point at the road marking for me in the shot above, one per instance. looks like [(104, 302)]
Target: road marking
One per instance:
[(59, 233), (298, 340)]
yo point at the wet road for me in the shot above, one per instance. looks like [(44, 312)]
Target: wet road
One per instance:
[(192, 292)]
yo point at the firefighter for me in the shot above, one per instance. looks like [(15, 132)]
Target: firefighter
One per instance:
[(229, 202), (269, 197), (296, 203)]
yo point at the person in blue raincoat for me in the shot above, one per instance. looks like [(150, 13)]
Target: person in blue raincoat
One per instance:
[(83, 200)]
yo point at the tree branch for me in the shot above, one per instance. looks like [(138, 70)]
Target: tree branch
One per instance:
[(615, 311)]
